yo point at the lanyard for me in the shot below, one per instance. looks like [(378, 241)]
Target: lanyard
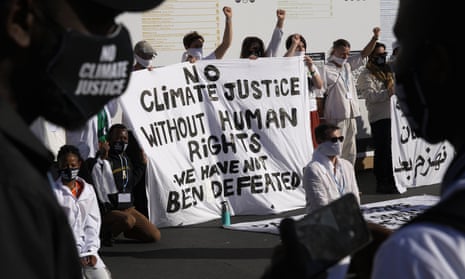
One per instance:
[(340, 184), (124, 171)]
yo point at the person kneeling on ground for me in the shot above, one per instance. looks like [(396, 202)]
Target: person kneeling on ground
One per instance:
[(115, 175)]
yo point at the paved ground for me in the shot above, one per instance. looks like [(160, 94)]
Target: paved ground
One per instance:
[(206, 250)]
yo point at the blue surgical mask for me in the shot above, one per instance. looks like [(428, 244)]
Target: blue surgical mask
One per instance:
[(69, 174), (299, 53)]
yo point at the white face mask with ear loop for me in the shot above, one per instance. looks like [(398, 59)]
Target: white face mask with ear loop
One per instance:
[(195, 52), (340, 61), (144, 62), (330, 148)]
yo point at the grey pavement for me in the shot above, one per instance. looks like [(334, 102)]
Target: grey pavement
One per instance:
[(207, 250)]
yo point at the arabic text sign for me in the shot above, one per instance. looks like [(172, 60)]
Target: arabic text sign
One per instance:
[(415, 162)]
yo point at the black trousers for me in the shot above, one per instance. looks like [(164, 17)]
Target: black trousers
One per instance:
[(382, 163)]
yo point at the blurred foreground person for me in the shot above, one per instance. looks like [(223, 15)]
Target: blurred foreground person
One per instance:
[(52, 51), (427, 71)]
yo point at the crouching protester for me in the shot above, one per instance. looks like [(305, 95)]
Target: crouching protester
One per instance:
[(115, 175)]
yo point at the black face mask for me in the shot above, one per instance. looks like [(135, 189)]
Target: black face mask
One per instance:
[(118, 147), (69, 174), (380, 60), (73, 75)]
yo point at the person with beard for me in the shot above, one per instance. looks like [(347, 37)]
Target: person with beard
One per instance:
[(115, 175), (327, 176), (79, 201), (376, 84), (49, 48)]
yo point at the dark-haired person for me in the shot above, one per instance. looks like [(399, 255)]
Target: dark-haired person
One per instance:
[(342, 105), (427, 73), (296, 45), (376, 85), (79, 201), (193, 42), (48, 48), (432, 244), (328, 176), (114, 175), (253, 47)]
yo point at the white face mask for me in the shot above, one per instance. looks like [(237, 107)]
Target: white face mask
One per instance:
[(144, 62), (195, 52), (299, 53), (340, 61), (330, 148)]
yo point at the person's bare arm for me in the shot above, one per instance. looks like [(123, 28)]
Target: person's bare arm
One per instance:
[(371, 44), (316, 78), (220, 51)]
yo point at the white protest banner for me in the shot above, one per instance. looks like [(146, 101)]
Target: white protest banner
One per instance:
[(235, 130), (394, 213), (415, 162), (391, 214)]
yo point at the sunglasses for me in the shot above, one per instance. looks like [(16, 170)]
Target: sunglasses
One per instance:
[(335, 139)]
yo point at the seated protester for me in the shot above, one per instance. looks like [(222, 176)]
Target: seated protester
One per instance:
[(78, 199), (328, 176), (135, 152), (115, 175)]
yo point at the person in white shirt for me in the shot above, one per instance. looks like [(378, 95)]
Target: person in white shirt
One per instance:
[(342, 105), (193, 42), (253, 47), (428, 75), (79, 201), (328, 176), (296, 45)]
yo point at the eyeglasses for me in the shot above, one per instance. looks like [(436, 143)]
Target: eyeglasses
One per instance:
[(335, 139)]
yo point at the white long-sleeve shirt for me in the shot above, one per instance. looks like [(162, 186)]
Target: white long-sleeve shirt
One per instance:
[(424, 250), (322, 186), (83, 216)]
